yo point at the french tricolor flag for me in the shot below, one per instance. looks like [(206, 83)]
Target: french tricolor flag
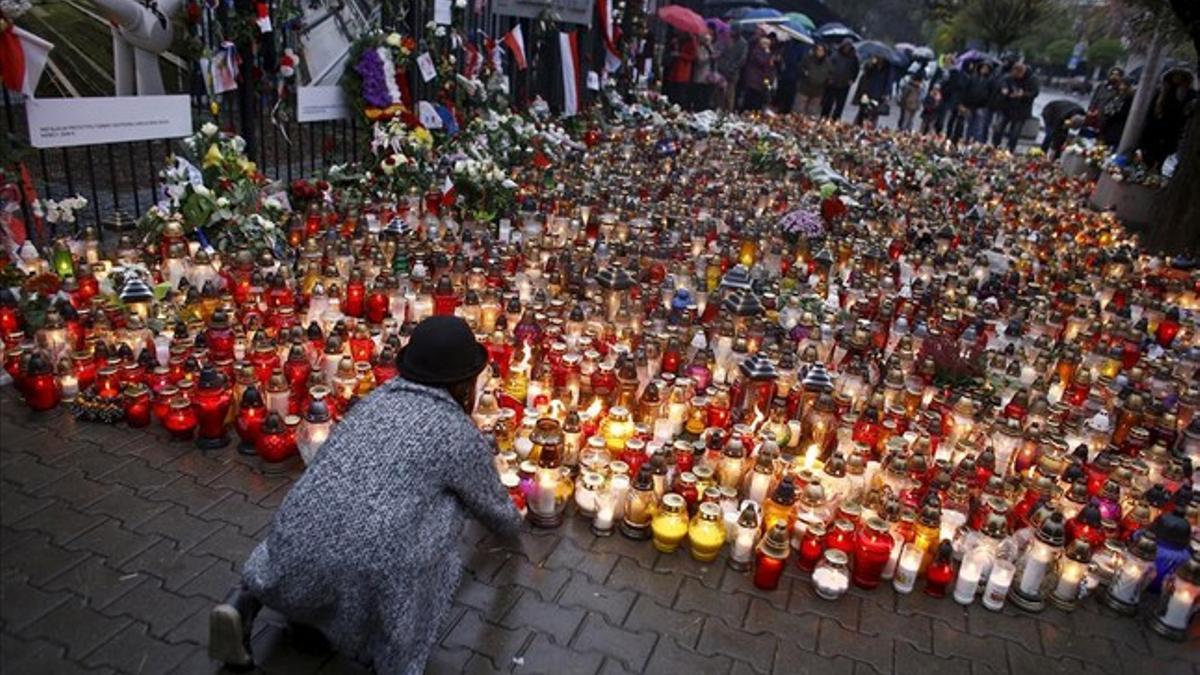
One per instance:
[(568, 45), (516, 44)]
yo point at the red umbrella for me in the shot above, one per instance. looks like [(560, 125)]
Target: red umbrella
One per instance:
[(682, 18)]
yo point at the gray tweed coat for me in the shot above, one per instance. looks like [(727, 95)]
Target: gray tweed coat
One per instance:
[(365, 545)]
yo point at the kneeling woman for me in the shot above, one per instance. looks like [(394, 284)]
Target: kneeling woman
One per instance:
[(364, 548)]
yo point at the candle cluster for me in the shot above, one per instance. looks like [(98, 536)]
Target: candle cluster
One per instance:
[(876, 357)]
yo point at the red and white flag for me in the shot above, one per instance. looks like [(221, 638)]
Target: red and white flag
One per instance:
[(612, 57), (516, 44), (568, 45)]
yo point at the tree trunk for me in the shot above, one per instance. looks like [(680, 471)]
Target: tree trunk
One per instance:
[(1176, 226), (1136, 119)]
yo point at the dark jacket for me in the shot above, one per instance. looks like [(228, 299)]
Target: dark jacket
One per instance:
[(875, 83), (977, 91), (732, 58), (814, 75), (845, 66), (1016, 95)]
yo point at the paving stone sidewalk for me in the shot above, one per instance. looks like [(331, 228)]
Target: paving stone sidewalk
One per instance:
[(115, 542)]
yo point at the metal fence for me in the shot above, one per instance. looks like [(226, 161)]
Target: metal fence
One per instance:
[(120, 180)]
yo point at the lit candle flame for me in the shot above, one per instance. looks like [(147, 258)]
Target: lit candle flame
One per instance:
[(594, 409), (810, 456), (759, 418)]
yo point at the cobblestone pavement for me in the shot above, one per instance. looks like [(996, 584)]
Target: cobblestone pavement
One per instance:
[(115, 543)]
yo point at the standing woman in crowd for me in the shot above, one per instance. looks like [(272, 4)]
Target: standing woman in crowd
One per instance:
[(910, 99), (976, 100), (758, 77), (681, 54), (844, 71), (1016, 94), (871, 93), (702, 70), (815, 69)]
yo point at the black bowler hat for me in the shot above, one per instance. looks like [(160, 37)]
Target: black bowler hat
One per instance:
[(442, 350)]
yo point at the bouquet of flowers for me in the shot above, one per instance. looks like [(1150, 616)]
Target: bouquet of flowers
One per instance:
[(220, 202), (61, 211), (400, 160), (483, 187), (376, 83)]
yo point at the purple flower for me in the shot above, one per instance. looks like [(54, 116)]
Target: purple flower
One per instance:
[(374, 89)]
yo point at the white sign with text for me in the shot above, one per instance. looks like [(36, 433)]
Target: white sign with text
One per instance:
[(321, 103), (67, 122)]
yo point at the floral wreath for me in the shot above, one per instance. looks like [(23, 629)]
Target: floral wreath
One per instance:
[(376, 83)]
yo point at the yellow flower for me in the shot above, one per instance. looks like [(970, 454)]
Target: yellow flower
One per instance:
[(422, 136), (248, 167), (213, 157), (214, 108)]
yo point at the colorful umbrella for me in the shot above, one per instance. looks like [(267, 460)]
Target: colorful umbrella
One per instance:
[(801, 19), (682, 19), (716, 25), (971, 55)]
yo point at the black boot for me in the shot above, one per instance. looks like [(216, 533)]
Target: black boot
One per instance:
[(229, 627), (308, 640)]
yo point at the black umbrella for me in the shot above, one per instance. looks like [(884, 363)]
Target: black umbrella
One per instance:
[(869, 48)]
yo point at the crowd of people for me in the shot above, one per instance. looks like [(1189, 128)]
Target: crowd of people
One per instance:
[(971, 99)]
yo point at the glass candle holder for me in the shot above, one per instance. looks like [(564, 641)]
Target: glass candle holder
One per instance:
[(137, 406), (670, 524), (831, 578), (706, 532), (999, 581), (1177, 605), (741, 553), (771, 558), (907, 569), (1133, 573), (872, 549)]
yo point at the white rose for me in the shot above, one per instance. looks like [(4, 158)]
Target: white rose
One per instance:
[(272, 203), (209, 129), (393, 39), (440, 32), (460, 4), (201, 190), (460, 166), (222, 202)]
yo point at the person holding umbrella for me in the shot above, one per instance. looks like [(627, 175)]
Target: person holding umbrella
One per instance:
[(681, 55), (844, 71), (1016, 94)]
